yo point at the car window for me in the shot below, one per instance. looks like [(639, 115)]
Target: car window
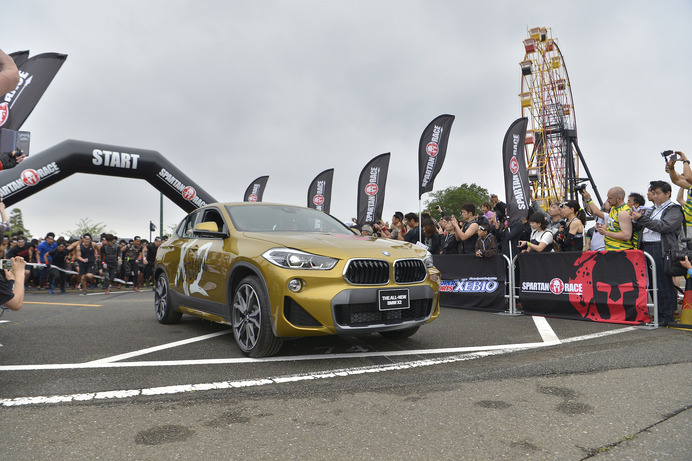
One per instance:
[(214, 215), (189, 223), (280, 218)]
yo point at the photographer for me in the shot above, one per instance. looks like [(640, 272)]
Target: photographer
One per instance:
[(617, 231), (12, 285), (659, 234)]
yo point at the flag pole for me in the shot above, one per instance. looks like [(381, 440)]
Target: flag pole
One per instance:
[(420, 219)]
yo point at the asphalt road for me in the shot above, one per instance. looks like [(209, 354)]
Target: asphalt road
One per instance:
[(96, 377)]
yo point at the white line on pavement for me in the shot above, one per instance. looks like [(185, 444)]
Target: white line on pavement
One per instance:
[(128, 393), (149, 350), (545, 330)]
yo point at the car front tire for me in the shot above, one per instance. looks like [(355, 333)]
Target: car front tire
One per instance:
[(251, 320), (162, 302)]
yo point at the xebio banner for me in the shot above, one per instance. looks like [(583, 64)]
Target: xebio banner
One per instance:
[(255, 190), (371, 185), (470, 282), (62, 160), (320, 191), (602, 286), (516, 175), (432, 149), (35, 74)]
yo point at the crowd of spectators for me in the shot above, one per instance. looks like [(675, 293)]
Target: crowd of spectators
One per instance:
[(82, 263), (623, 222)]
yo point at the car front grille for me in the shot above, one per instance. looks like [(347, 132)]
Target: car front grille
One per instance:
[(376, 271), (367, 272), (365, 314), (409, 271)]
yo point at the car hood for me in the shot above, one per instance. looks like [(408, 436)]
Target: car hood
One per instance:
[(341, 246)]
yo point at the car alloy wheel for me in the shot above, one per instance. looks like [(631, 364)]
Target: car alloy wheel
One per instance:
[(162, 302), (251, 320)]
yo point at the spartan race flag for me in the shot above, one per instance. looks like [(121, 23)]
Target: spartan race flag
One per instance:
[(35, 74), (48, 167), (320, 191), (601, 286), (516, 175), (371, 185), (431, 151), (255, 190)]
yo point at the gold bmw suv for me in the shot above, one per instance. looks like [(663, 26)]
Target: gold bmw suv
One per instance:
[(275, 271)]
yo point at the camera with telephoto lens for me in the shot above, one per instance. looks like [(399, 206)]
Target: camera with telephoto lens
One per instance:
[(667, 153), (679, 255)]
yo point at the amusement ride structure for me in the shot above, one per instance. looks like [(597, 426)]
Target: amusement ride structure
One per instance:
[(552, 153)]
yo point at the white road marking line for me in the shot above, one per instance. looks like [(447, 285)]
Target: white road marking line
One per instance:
[(297, 358), (161, 347), (545, 329), (167, 390)]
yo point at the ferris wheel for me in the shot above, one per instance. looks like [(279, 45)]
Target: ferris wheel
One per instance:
[(552, 152)]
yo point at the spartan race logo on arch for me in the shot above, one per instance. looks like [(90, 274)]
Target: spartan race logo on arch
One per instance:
[(188, 192), (28, 178)]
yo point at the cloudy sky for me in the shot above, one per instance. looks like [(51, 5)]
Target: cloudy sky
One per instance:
[(232, 90)]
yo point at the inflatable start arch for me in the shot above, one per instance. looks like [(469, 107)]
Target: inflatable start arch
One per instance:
[(63, 160)]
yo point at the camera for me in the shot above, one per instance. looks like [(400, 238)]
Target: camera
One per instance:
[(679, 255), (667, 153), (580, 188), (15, 141), (6, 264)]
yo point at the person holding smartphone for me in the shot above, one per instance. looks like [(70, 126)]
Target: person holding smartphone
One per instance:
[(12, 285)]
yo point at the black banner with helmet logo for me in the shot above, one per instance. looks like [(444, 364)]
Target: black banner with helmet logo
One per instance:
[(432, 149), (35, 74), (371, 186), (320, 191), (470, 282), (602, 286), (516, 175), (255, 190)]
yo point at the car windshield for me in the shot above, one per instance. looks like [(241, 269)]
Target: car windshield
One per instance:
[(279, 218)]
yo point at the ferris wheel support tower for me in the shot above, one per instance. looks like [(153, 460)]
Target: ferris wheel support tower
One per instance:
[(553, 156)]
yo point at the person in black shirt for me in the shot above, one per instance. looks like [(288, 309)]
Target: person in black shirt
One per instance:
[(152, 248), (59, 258), (412, 224), (449, 244), (110, 255), (431, 238)]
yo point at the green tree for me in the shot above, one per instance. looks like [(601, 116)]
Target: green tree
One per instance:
[(17, 222), (87, 226), (451, 199)]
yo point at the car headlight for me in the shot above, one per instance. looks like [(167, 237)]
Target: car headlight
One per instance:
[(294, 259), (428, 261)]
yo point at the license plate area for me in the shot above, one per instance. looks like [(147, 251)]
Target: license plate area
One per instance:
[(393, 299)]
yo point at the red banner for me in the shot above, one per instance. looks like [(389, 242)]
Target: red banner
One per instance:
[(601, 286)]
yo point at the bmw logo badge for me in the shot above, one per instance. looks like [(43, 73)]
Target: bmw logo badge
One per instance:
[(386, 253)]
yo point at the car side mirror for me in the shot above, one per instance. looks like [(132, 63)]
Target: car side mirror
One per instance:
[(208, 229)]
